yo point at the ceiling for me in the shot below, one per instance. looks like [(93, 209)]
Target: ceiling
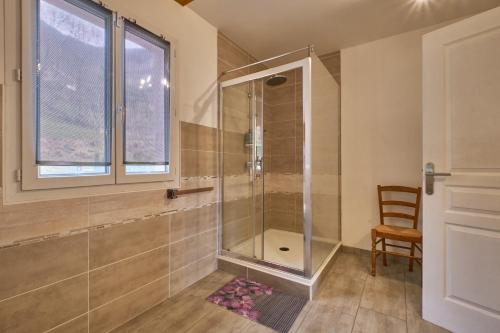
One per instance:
[(270, 27)]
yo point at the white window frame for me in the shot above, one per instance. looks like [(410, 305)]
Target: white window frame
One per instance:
[(20, 173)]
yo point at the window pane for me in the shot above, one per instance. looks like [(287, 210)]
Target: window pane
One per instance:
[(73, 99), (72, 171), (147, 90), (144, 169)]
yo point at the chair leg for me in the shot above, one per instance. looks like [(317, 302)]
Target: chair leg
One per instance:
[(412, 253), (374, 252), (383, 254)]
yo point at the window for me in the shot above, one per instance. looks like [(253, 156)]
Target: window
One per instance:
[(81, 71), (146, 101), (72, 88)]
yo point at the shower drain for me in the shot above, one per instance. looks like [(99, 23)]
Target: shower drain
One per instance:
[(284, 248)]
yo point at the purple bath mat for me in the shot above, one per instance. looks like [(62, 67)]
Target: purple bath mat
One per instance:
[(260, 303)]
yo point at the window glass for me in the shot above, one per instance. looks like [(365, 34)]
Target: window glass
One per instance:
[(146, 100), (73, 88)]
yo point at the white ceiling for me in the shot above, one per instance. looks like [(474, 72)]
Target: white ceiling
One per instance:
[(270, 27)]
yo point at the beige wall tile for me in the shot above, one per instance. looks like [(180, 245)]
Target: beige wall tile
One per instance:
[(282, 202), (78, 325), (230, 53), (236, 231), (235, 164), (282, 129), (191, 222), (188, 275), (37, 219), (30, 266), (236, 209), (234, 143), (280, 220), (45, 308), (195, 163), (123, 309), (120, 207), (284, 146), (192, 249), (121, 241), (282, 112), (117, 279), (198, 137), (283, 163), (282, 94)]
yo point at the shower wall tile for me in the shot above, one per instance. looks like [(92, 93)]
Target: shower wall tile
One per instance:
[(44, 308), (236, 232), (237, 209), (283, 94), (120, 278), (235, 164), (282, 202), (197, 137), (281, 220), (234, 143), (118, 242), (23, 221), (78, 325), (283, 163), (284, 146), (230, 53), (282, 129), (282, 112), (31, 266), (119, 311), (195, 163)]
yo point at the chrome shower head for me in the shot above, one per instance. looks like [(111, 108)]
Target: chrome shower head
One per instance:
[(276, 80)]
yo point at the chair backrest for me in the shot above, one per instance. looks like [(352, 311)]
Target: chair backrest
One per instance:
[(394, 203)]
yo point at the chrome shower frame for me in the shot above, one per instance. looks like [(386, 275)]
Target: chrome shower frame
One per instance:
[(305, 64)]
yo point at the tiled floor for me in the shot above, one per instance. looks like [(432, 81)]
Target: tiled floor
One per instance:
[(349, 300)]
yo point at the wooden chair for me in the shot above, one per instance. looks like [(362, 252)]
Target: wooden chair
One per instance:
[(382, 232)]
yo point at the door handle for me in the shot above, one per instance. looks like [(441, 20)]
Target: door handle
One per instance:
[(429, 177)]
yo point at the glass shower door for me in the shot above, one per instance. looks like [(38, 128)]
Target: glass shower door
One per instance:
[(242, 165)]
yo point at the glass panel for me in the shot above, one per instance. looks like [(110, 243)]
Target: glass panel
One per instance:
[(71, 171), (147, 106), (73, 85), (325, 171), (238, 137), (283, 209)]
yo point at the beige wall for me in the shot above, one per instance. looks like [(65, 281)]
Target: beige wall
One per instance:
[(89, 264), (381, 127)]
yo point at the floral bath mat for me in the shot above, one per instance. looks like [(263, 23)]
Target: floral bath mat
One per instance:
[(260, 303)]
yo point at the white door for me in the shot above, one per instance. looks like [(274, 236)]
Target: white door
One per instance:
[(461, 220)]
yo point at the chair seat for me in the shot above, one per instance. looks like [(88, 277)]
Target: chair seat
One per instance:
[(398, 233)]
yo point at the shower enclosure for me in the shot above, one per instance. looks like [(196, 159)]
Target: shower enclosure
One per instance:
[(279, 160)]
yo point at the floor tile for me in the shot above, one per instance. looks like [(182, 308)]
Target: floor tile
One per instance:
[(322, 318), (342, 292), (368, 321), (385, 294)]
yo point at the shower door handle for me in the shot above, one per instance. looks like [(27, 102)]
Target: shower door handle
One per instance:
[(258, 166)]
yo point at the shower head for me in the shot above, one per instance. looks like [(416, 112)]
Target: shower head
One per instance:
[(276, 80)]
